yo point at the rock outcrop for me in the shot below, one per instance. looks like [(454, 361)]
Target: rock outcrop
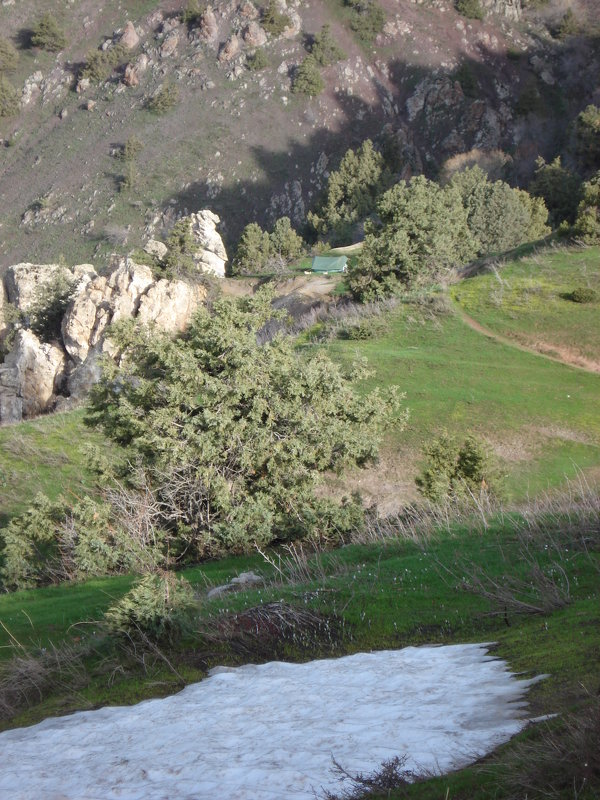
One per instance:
[(510, 9), (129, 38), (36, 375), (211, 255)]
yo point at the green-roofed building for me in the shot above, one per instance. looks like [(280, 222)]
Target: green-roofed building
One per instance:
[(325, 264)]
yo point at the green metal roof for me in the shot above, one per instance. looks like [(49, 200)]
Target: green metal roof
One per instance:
[(329, 263)]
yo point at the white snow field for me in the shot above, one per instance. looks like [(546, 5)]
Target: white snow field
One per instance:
[(269, 732)]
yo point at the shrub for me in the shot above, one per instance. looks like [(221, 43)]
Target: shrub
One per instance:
[(470, 8), (164, 99), (325, 49), (273, 20), (467, 79), (307, 79), (587, 132), (364, 328), (181, 248), (569, 25), (587, 222), (50, 301), (130, 178), (530, 101), (456, 471), (192, 13), (499, 217), (99, 64), (159, 607), (257, 60), (558, 187), (9, 56), (284, 241), (54, 541), (253, 250), (233, 432), (584, 294), (48, 35), (367, 20), (351, 191), (422, 232), (9, 98), (131, 149)]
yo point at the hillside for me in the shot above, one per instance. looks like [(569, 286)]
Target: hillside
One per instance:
[(431, 85)]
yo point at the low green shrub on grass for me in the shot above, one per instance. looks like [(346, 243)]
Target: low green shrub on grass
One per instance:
[(48, 35)]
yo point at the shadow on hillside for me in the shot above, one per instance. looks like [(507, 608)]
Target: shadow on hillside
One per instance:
[(493, 100)]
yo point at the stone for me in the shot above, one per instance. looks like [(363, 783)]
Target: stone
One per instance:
[(208, 28), (83, 84), (155, 248), (83, 376), (129, 38), (21, 280), (230, 49), (32, 374), (32, 88), (170, 304), (130, 76), (248, 10), (170, 44), (254, 35), (4, 327), (510, 9), (211, 255), (90, 105)]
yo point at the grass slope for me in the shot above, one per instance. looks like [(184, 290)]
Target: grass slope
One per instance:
[(385, 594), (527, 300)]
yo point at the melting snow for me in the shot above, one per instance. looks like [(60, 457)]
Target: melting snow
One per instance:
[(270, 731)]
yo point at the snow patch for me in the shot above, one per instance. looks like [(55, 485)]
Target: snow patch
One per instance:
[(270, 731)]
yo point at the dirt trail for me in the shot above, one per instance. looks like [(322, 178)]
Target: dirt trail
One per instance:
[(570, 360)]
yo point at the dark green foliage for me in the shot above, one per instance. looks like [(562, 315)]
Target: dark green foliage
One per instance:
[(368, 19), (456, 471), (130, 178), (587, 131), (9, 56), (192, 13), (351, 192), (164, 99), (499, 217), (569, 25), (584, 294), (48, 35), (9, 98), (284, 241), (307, 79), (131, 149), (467, 79), (325, 49), (253, 250), (559, 188), (530, 101), (55, 541), (364, 328), (100, 64), (470, 8), (258, 250), (422, 233), (50, 301), (273, 20), (158, 607), (257, 60), (179, 259), (234, 435), (587, 222)]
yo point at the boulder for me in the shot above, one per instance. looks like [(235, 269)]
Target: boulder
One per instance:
[(248, 10), (22, 280), (169, 46), (510, 9), (30, 377), (3, 320), (155, 248), (211, 255), (130, 76), (230, 49), (170, 304), (83, 376), (101, 302), (254, 35), (208, 28), (129, 38)]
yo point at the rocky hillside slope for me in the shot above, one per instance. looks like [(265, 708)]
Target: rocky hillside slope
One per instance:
[(432, 84)]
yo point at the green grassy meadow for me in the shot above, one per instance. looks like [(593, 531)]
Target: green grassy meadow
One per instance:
[(527, 300)]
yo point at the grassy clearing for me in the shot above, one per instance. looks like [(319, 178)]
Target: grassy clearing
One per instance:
[(527, 300), (44, 455), (386, 594), (542, 418)]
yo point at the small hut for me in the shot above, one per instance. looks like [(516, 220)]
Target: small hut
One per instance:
[(327, 264)]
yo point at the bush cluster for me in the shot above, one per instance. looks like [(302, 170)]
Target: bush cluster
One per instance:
[(559, 188), (48, 35), (99, 64), (164, 99), (325, 49), (307, 78), (9, 98), (587, 221), (273, 20), (471, 9), (257, 60), (50, 301), (259, 251), (584, 294), (455, 471), (587, 132), (9, 55), (367, 20)]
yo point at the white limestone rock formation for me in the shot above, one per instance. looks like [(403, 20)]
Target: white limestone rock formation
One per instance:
[(211, 255)]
